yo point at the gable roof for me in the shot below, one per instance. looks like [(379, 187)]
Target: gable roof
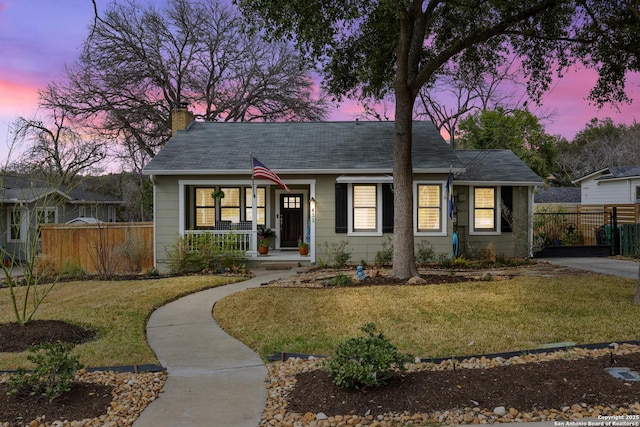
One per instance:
[(613, 173), (558, 195), (214, 148), (492, 167), (297, 147), (16, 188)]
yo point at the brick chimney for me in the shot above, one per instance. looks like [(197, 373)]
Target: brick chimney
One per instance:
[(180, 117)]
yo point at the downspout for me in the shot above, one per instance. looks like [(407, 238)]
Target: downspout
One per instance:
[(530, 214), (152, 178)]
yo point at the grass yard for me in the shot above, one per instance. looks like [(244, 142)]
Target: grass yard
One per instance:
[(437, 321), (118, 310)]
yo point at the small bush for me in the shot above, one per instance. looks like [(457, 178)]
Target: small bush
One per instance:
[(133, 252), (322, 257), (55, 369), (488, 253), (455, 262), (205, 252), (72, 269), (45, 267), (425, 252), (339, 254), (385, 255), (365, 361), (342, 280)]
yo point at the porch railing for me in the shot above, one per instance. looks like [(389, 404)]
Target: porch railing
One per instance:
[(238, 240)]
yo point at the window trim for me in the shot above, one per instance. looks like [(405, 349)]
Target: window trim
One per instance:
[(111, 214), (378, 229), (248, 207), (497, 212), (23, 223), (444, 225), (197, 207), (45, 211), (239, 207)]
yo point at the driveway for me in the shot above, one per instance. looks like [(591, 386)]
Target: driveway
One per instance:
[(604, 265)]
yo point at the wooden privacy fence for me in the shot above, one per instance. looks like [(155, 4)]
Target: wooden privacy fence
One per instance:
[(625, 213), (117, 246)]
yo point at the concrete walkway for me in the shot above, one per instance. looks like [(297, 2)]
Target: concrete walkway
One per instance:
[(217, 381), (604, 265), (213, 379)]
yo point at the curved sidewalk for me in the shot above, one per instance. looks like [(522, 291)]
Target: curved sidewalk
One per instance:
[(213, 379)]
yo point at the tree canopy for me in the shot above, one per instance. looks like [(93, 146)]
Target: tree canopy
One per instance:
[(599, 145), (140, 62), (517, 130), (367, 48)]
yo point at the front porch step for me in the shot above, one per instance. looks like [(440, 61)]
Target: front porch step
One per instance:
[(280, 265)]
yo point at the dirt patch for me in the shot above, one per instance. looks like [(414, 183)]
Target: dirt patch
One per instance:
[(15, 337)]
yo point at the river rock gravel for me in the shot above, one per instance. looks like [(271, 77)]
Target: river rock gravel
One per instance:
[(282, 380)]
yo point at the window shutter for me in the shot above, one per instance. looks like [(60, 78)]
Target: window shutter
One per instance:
[(341, 208), (387, 208), (506, 194)]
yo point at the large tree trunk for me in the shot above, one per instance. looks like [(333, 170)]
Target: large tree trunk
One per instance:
[(404, 263)]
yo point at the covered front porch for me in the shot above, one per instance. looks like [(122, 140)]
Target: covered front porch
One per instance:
[(249, 215)]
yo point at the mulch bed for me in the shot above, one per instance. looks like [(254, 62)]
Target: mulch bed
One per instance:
[(526, 387), (82, 401), (15, 337)]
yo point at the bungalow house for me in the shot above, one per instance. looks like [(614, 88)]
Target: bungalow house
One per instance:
[(26, 202), (341, 188), (613, 185)]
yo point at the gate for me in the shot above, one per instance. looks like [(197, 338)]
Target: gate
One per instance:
[(567, 234)]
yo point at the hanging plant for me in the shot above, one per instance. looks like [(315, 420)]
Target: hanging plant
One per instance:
[(217, 195)]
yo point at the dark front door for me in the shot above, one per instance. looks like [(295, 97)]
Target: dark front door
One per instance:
[(291, 220)]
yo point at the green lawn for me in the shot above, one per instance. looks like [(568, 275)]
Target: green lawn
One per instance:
[(118, 310), (431, 321), (437, 321)]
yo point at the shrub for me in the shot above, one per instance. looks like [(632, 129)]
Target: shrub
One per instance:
[(133, 252), (55, 368), (342, 280), (385, 255), (72, 269), (425, 252), (46, 267), (205, 252), (365, 361), (339, 254), (488, 253)]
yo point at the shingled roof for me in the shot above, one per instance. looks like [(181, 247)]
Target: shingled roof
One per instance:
[(20, 188), (495, 166), (298, 147), (212, 148), (558, 195)]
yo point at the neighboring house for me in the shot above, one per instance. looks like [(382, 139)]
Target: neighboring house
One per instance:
[(340, 177), (611, 185), (27, 202), (556, 197)]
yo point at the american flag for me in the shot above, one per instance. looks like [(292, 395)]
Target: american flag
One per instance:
[(261, 171)]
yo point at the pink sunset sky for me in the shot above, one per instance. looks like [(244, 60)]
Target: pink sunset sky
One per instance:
[(38, 37)]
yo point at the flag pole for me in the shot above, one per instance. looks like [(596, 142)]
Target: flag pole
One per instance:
[(254, 211)]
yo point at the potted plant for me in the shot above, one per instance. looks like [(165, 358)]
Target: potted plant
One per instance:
[(263, 246), (264, 232), (303, 247)]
